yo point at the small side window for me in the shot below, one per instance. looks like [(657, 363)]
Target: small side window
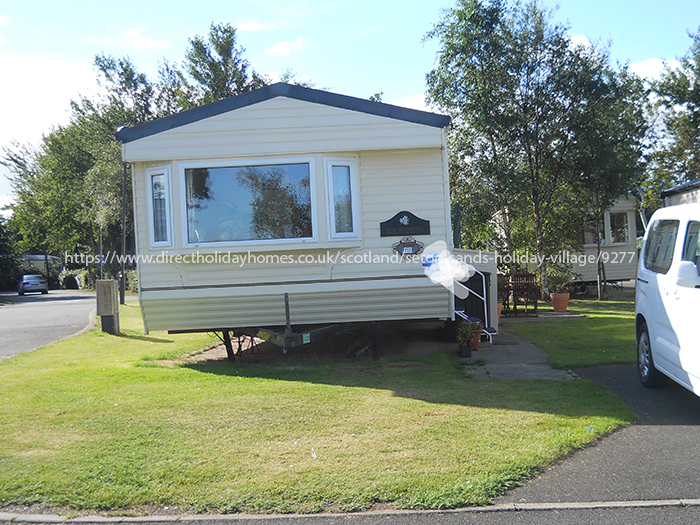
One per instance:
[(691, 248), (661, 241), (341, 184), (619, 231), (159, 204)]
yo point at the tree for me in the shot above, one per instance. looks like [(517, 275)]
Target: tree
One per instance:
[(215, 68), (69, 190), (679, 98), (610, 156), (520, 95), (10, 264)]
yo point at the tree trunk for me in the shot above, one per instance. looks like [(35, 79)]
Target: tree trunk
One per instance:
[(541, 258), (599, 273)]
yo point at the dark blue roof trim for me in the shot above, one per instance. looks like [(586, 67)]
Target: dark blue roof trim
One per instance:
[(681, 188), (125, 134)]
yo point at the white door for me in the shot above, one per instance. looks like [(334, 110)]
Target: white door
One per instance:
[(656, 287)]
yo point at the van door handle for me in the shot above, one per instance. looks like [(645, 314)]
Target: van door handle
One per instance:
[(642, 280)]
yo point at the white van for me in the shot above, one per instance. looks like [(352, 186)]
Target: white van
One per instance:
[(668, 298)]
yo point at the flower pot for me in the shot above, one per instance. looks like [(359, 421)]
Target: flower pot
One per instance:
[(500, 309), (560, 301), (465, 351), (476, 340)]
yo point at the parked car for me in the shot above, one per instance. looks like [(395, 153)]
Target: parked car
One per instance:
[(32, 283), (667, 298)]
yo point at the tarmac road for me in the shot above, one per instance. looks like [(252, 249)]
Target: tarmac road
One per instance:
[(657, 458), (34, 320)]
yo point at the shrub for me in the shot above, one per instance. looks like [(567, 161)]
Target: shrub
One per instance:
[(132, 281), (73, 279)]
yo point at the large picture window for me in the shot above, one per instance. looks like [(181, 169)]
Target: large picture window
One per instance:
[(248, 203)]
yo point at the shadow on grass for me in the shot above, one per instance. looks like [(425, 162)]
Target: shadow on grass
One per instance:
[(438, 379), (146, 338)]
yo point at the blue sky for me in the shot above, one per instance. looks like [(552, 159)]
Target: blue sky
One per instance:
[(354, 47)]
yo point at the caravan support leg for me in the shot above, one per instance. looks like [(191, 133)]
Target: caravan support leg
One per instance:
[(288, 343), (229, 346), (372, 332)]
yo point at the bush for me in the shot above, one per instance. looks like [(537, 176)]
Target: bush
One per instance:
[(132, 281), (74, 279)]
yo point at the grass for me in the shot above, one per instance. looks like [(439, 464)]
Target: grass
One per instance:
[(94, 423), (606, 336)]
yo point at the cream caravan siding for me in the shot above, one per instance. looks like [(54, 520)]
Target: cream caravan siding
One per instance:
[(620, 260), (348, 281), (281, 126), (685, 197), (340, 302)]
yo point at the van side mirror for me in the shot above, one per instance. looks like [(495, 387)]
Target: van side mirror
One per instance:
[(688, 275)]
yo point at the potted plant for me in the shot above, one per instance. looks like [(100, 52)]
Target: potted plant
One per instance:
[(469, 335), (558, 282)]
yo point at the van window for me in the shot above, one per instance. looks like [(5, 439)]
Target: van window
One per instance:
[(658, 253), (691, 248)]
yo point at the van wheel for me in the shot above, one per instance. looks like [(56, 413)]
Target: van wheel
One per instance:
[(648, 375)]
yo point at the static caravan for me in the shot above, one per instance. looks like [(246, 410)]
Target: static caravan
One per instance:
[(289, 192), (618, 239), (685, 193)]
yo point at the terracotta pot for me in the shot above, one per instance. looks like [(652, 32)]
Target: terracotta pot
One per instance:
[(476, 340), (560, 301), (500, 309)]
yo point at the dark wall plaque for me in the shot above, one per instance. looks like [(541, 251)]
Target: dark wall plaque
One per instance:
[(404, 223)]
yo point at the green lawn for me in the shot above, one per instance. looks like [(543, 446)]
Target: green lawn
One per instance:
[(93, 423), (606, 336)]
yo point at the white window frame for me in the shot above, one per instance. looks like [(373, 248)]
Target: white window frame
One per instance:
[(236, 164), (150, 173), (610, 232), (351, 163), (604, 238)]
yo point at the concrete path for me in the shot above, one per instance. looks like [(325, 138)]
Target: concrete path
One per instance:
[(512, 357)]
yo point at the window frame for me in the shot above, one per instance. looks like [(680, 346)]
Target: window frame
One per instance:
[(651, 252), (603, 237), (351, 163), (610, 227), (685, 255), (150, 173), (238, 163)]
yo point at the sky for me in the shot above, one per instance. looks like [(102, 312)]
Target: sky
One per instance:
[(353, 47)]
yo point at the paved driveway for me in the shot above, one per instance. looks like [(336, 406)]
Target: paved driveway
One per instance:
[(657, 458), (34, 320)]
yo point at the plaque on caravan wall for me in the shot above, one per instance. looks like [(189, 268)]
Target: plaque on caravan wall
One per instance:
[(404, 223)]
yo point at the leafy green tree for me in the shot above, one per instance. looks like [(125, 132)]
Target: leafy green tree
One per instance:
[(520, 95), (610, 157), (215, 68), (69, 190), (679, 98), (10, 262)]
